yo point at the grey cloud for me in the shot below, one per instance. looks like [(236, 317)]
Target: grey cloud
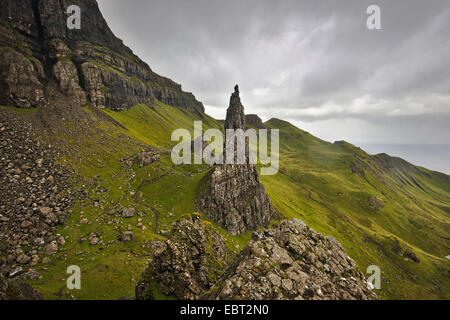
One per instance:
[(307, 61)]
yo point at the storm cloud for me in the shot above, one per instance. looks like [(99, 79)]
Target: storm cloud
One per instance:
[(314, 63)]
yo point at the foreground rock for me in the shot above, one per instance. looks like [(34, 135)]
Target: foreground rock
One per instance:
[(188, 264), (293, 262), (16, 290), (232, 195), (289, 262)]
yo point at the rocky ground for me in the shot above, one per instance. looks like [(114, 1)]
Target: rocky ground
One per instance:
[(36, 193)]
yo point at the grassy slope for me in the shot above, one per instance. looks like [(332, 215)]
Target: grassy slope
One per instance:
[(315, 183), (110, 271)]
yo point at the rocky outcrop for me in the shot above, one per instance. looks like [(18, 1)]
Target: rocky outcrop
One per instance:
[(188, 264), (90, 65), (148, 157), (289, 262), (404, 251), (255, 121), (19, 84), (232, 195), (292, 262), (17, 290)]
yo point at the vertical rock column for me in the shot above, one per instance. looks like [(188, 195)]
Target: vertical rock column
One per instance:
[(231, 195)]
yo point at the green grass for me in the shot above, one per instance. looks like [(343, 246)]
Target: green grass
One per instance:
[(154, 125), (23, 111), (111, 272), (314, 183)]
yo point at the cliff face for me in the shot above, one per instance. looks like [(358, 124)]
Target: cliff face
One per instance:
[(232, 195), (90, 65)]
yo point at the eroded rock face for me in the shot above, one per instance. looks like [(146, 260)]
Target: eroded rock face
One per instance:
[(91, 65), (235, 118), (293, 262), (234, 198), (188, 264), (69, 82), (232, 195), (19, 84)]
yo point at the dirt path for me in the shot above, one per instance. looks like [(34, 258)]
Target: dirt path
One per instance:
[(155, 211)]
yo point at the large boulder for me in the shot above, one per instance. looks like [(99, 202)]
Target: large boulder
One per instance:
[(148, 157)]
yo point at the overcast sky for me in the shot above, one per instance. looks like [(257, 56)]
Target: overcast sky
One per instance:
[(313, 63)]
